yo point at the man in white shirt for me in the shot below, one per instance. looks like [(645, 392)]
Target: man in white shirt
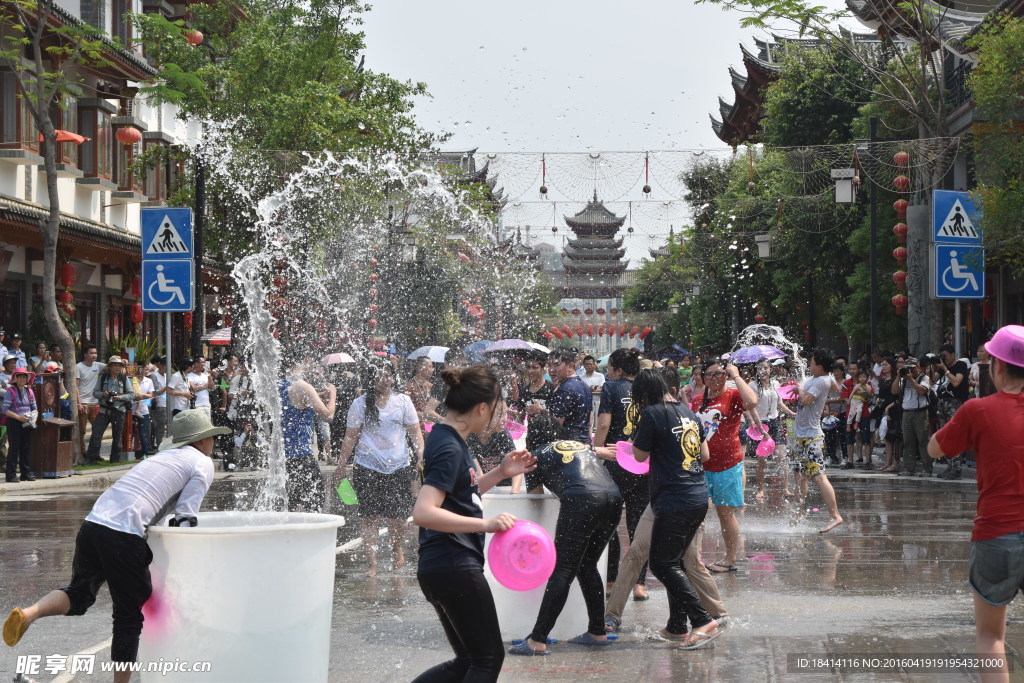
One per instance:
[(913, 388), (158, 414), (199, 383), (177, 386), (141, 413), (89, 370), (111, 545), (594, 381)]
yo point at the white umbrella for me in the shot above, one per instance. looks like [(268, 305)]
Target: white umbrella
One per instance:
[(434, 353), (336, 358), (539, 347)]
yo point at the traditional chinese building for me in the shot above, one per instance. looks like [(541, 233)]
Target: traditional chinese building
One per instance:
[(593, 259)]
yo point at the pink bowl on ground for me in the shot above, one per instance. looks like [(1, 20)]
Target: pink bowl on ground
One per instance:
[(515, 429), (754, 433), (766, 447), (624, 456), (523, 557), (1007, 344)]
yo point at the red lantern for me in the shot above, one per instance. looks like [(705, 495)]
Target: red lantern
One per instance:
[(614, 311), (900, 278), (900, 254), (372, 291), (280, 281), (600, 311), (589, 311), (65, 297), (137, 314), (128, 135), (578, 330), (601, 329), (901, 230), (373, 262), (186, 318), (901, 183), (633, 332), (373, 308), (758, 318), (558, 334), (646, 331), (227, 320), (371, 324), (194, 37), (67, 276), (464, 257), (136, 287), (988, 310), (622, 330), (900, 301), (567, 330), (900, 206), (555, 330), (575, 311), (590, 330), (901, 159), (374, 277)]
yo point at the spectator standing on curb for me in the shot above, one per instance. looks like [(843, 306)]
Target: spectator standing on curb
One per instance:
[(952, 393), (115, 395), (158, 376), (89, 370), (992, 427), (913, 388)]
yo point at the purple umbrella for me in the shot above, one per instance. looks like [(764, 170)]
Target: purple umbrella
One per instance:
[(509, 345), (752, 354)]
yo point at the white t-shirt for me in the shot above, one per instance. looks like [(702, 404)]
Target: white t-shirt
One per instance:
[(239, 383), (913, 400), (135, 499), (178, 383), (88, 376), (159, 382), (808, 418), (595, 380), (382, 446), (145, 387), (202, 395), (767, 400)]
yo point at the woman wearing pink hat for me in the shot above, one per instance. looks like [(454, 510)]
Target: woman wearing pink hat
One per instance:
[(19, 411), (993, 426)]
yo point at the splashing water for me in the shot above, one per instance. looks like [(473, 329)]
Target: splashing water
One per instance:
[(774, 336)]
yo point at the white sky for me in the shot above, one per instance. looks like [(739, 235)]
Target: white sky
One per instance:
[(564, 75)]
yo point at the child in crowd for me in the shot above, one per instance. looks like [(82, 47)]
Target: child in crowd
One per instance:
[(861, 396)]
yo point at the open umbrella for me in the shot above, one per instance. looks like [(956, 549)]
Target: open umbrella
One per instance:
[(475, 351), (337, 358), (221, 337), (752, 354), (509, 345), (434, 353), (540, 348)]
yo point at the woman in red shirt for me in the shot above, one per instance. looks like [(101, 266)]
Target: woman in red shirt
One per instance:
[(992, 426)]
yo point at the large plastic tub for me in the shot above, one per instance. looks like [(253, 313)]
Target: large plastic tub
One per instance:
[(249, 592), (517, 610)]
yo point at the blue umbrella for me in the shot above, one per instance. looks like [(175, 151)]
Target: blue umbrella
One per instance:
[(475, 351), (752, 354)]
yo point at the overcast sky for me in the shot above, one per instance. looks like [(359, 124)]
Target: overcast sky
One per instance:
[(563, 75)]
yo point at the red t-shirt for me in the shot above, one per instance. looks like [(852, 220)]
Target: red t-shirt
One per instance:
[(726, 410), (993, 427)]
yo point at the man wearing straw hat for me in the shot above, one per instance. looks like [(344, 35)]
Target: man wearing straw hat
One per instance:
[(111, 544), (115, 393), (992, 426)]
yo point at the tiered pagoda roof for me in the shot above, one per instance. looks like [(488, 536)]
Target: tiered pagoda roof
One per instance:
[(663, 251), (887, 18), (515, 248), (595, 250)]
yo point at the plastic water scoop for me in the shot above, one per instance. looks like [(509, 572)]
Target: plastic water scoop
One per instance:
[(755, 433), (789, 392), (347, 493), (427, 426), (515, 429), (624, 456), (766, 447), (523, 557)]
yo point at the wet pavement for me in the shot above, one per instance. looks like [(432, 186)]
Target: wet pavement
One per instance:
[(889, 582)]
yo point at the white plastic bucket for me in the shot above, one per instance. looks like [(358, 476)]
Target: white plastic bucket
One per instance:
[(517, 610), (249, 592)]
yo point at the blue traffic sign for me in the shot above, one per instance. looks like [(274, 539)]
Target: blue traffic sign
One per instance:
[(167, 286), (955, 218), (959, 272), (166, 233)]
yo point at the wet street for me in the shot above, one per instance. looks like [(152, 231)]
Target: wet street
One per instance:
[(889, 582)]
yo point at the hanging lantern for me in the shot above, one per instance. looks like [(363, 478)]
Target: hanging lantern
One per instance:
[(578, 330), (67, 276), (590, 330), (372, 292), (900, 301), (280, 281), (575, 311), (633, 332), (128, 135), (589, 311), (373, 263), (136, 287), (186, 318), (194, 37), (622, 330), (371, 324), (137, 314), (373, 308), (901, 183), (630, 230), (543, 190), (227, 320), (750, 187), (758, 318), (900, 230), (900, 207), (464, 258), (567, 330), (374, 277), (65, 297), (646, 331), (600, 311), (646, 189), (900, 254), (900, 278), (558, 334), (600, 329), (555, 329), (614, 311), (901, 159)]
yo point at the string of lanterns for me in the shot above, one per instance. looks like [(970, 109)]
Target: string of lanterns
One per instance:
[(591, 329), (902, 184)]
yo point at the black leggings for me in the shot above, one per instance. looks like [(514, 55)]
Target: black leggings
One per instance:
[(20, 439), (465, 606), (584, 524), (636, 493), (670, 537)]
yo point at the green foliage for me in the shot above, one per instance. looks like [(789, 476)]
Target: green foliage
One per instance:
[(997, 83)]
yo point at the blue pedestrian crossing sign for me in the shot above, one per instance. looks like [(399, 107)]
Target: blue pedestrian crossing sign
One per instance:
[(959, 271), (955, 219), (167, 286), (166, 233)]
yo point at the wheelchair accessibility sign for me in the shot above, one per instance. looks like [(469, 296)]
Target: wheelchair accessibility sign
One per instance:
[(167, 286), (959, 271)]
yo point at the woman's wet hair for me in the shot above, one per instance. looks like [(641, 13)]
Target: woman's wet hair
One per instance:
[(370, 376), (543, 430), (649, 388), (671, 378), (469, 387), (627, 360), (823, 358)]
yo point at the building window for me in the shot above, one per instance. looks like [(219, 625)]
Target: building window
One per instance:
[(29, 131), (85, 314), (10, 307), (68, 119), (96, 155), (126, 180)]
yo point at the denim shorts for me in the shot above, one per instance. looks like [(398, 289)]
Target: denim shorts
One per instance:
[(996, 568), (725, 488)]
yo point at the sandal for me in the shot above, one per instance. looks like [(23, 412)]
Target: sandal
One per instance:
[(698, 640), (589, 639), (718, 567), (664, 634), (14, 627), (612, 624), (524, 649)]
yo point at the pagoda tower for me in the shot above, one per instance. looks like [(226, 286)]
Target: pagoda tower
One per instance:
[(595, 253)]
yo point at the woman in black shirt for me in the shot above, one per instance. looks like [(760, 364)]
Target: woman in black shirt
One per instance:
[(449, 513), (536, 391)]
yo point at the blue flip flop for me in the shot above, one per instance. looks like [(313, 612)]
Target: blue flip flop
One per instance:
[(588, 639), (549, 641), (523, 648)]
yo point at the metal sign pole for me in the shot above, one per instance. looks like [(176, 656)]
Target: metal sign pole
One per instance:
[(168, 368), (956, 327)]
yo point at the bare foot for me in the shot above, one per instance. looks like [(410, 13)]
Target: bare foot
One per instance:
[(640, 592), (373, 570), (540, 647), (760, 493), (399, 558), (832, 524)]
